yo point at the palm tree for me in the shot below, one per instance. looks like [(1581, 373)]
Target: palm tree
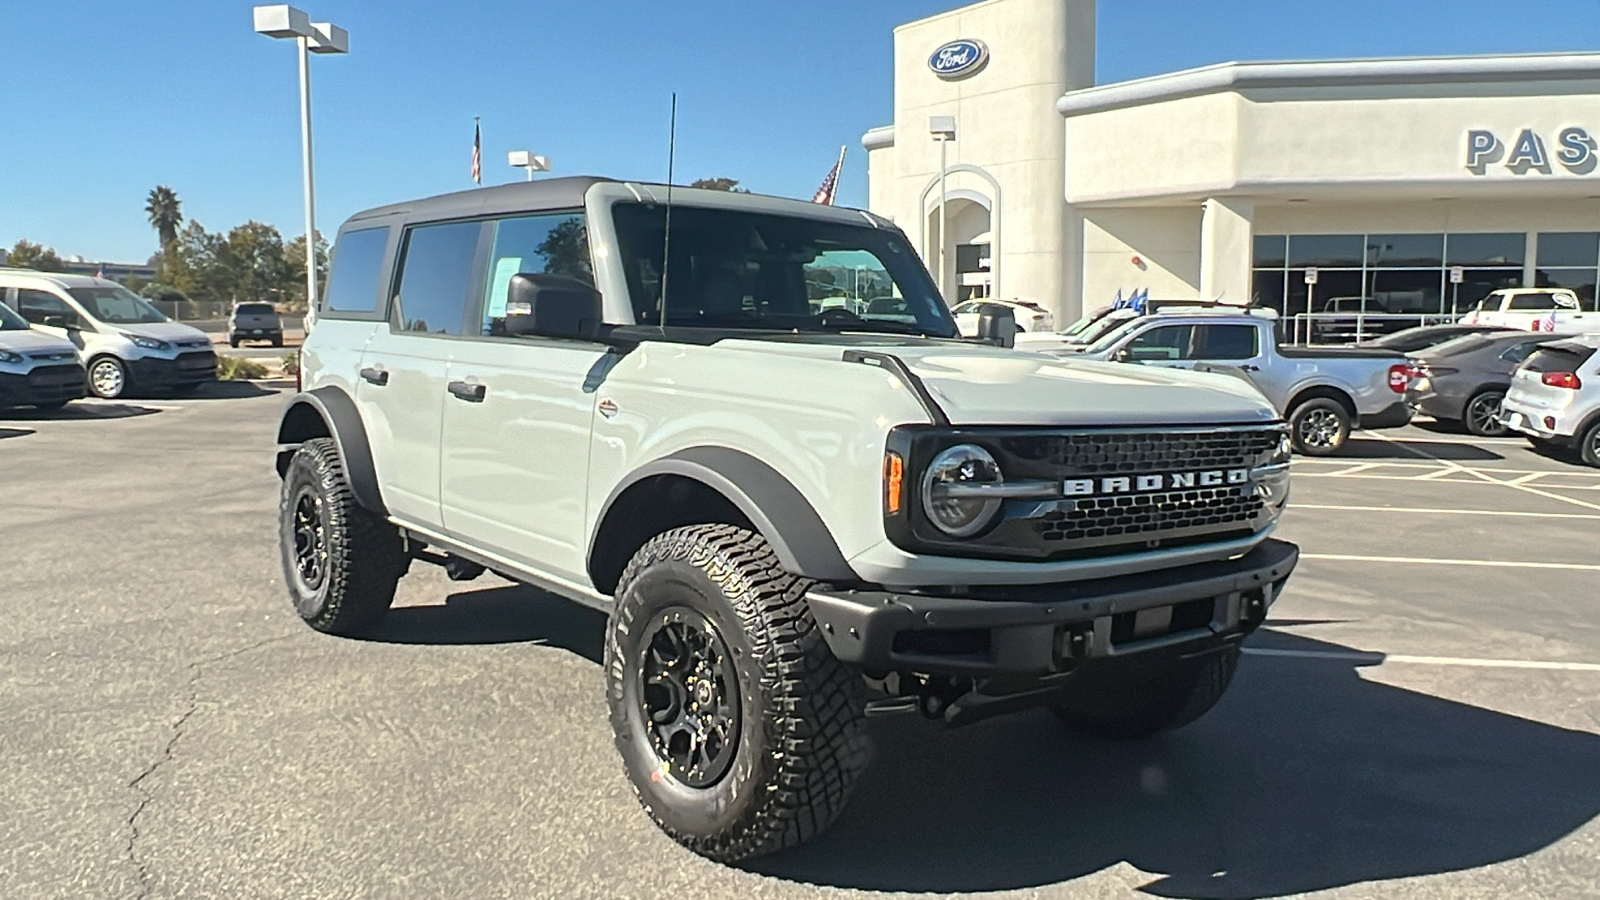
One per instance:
[(166, 213)]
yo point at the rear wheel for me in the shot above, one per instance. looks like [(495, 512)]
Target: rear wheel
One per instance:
[(1319, 426), (1481, 416), (740, 731), (1152, 703), (1589, 445), (340, 562), (108, 378)]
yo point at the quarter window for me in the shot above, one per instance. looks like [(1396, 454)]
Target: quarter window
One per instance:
[(357, 265), (552, 244), (436, 277)]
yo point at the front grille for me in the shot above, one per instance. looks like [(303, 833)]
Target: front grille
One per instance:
[(195, 343), (55, 376), (1137, 514), (197, 362), (46, 357), (1116, 452)]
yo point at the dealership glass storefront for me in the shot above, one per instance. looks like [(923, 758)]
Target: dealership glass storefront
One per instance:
[(1410, 274)]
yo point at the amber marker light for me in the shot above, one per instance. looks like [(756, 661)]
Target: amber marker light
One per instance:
[(894, 471)]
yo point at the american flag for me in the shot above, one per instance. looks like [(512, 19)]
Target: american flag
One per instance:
[(477, 152), (830, 185)]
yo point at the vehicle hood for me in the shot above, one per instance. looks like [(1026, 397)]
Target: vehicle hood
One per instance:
[(162, 331), (979, 385), (34, 342)]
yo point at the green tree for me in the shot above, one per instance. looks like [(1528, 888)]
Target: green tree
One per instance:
[(719, 184), (25, 254), (191, 264), (252, 264), (295, 254), (166, 213)]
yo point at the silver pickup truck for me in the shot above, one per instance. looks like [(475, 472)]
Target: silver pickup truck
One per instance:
[(1323, 392)]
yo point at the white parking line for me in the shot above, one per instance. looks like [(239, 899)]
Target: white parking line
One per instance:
[(1465, 442), (1428, 561), (1446, 512), (1382, 658)]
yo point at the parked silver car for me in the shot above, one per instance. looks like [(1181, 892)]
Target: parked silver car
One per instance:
[(1555, 397)]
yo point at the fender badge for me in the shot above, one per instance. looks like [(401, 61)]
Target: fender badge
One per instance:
[(608, 407)]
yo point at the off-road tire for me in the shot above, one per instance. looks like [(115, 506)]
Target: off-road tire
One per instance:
[(1308, 422), (1472, 418), (800, 736), (1589, 445), (277, 342), (234, 343), (1150, 703), (361, 558)]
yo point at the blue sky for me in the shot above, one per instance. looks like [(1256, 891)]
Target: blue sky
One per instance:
[(104, 99)]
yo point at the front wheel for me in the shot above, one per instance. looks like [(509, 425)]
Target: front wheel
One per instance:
[(341, 563), (1152, 703), (1482, 414), (108, 378), (740, 731), (1319, 427)]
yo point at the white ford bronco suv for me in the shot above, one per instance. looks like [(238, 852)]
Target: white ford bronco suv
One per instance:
[(792, 514)]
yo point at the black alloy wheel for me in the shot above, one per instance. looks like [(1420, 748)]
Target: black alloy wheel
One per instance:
[(310, 548), (1482, 414), (690, 692)]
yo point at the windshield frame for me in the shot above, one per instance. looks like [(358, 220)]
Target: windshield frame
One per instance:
[(85, 298)]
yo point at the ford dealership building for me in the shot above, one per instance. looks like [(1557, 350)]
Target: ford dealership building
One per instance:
[(1419, 184)]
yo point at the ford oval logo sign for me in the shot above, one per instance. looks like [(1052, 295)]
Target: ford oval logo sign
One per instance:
[(958, 59)]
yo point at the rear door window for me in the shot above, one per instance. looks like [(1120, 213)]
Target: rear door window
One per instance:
[(1523, 302), (357, 263), (1168, 342), (436, 278), (1518, 352), (1225, 342)]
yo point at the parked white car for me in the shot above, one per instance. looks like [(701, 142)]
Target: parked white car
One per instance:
[(1031, 317), (1555, 397), (1551, 310), (124, 342), (35, 368)]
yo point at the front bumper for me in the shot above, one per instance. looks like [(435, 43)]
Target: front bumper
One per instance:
[(186, 369), (44, 385), (1038, 630)]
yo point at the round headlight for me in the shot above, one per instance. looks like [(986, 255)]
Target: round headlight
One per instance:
[(952, 490)]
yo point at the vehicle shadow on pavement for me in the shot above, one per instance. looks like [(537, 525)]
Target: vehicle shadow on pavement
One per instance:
[(504, 615), (1305, 777), (81, 411), (14, 432), (225, 390), (1376, 448)]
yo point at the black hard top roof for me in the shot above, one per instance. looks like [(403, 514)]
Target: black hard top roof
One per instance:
[(549, 193)]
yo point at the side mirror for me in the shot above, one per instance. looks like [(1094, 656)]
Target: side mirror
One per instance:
[(997, 325), (1123, 355), (55, 322), (552, 306)]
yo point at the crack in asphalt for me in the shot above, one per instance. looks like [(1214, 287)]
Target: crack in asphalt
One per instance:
[(147, 794)]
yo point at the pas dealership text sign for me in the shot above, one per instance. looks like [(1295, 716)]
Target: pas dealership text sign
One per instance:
[(1574, 150)]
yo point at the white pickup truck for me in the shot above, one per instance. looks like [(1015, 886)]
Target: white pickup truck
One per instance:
[(1549, 310)]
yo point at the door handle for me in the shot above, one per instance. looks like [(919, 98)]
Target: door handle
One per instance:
[(472, 393), (378, 377), (1249, 368)]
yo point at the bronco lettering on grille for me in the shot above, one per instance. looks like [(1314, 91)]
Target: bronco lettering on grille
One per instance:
[(1140, 484)]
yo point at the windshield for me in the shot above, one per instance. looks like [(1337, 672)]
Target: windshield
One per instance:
[(731, 269), (10, 321), (116, 305), (1105, 332), (1086, 321)]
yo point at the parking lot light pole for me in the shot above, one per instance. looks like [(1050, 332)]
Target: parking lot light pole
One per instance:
[(283, 21), (943, 130), (522, 159)]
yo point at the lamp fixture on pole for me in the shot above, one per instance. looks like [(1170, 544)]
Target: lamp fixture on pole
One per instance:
[(522, 159)]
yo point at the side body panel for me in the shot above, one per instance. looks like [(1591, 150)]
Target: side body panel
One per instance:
[(401, 398)]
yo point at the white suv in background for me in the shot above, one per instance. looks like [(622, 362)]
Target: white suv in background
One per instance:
[(1555, 397), (125, 343)]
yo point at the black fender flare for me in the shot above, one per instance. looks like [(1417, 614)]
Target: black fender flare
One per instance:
[(770, 501), (341, 420)]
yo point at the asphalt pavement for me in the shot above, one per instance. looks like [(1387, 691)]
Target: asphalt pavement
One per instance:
[(1420, 718)]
